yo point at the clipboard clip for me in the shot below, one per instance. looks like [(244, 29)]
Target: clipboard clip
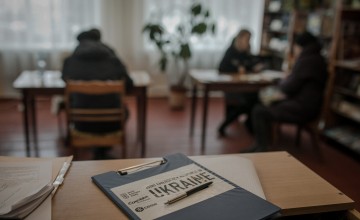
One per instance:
[(138, 167)]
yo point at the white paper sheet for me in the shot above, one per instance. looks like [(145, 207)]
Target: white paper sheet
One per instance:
[(236, 169), (147, 197), (19, 180), (43, 212)]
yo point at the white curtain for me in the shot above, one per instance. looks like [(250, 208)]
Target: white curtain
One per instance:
[(123, 21), (39, 29), (30, 29)]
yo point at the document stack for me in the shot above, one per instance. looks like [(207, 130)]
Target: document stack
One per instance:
[(23, 187)]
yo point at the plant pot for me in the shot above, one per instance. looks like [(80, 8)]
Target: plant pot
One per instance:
[(177, 97)]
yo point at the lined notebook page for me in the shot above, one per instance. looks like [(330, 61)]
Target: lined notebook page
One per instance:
[(236, 169)]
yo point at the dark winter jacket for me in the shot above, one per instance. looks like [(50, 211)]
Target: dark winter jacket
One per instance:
[(304, 87), (230, 63), (92, 60), (234, 58)]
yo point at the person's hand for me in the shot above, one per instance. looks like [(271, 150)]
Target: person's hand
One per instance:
[(241, 70), (258, 67)]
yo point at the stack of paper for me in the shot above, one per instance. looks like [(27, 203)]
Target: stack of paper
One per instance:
[(23, 187)]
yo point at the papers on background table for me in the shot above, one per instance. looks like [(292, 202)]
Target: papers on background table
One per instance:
[(212, 75), (23, 187)]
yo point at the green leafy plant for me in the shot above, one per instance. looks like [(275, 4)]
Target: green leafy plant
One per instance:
[(195, 21)]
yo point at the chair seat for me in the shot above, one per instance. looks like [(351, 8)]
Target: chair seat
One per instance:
[(81, 139), (83, 134)]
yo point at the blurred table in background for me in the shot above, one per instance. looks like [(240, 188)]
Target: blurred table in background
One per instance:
[(212, 80), (33, 84)]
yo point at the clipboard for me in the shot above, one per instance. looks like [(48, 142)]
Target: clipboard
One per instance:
[(236, 203)]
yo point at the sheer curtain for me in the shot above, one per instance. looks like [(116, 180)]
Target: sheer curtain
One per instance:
[(33, 29), (229, 16), (30, 29)]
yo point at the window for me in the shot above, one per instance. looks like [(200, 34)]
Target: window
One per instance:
[(45, 24), (229, 16)]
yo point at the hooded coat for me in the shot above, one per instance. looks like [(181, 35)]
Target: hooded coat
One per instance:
[(92, 60), (304, 88)]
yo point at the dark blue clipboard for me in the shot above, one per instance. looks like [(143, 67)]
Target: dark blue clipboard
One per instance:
[(233, 204)]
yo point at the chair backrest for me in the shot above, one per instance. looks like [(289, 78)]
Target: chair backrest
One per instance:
[(75, 114)]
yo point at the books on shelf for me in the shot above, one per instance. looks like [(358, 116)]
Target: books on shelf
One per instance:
[(278, 44), (349, 109), (274, 6), (346, 135)]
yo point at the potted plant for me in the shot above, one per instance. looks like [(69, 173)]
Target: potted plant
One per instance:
[(176, 44)]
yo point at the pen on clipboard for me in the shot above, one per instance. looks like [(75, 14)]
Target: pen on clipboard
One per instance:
[(188, 193), (60, 177)]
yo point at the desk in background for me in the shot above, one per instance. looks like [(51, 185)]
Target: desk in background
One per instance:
[(286, 182), (32, 84), (212, 80)]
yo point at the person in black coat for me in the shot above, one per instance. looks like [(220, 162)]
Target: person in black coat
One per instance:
[(303, 92), (237, 59), (93, 60)]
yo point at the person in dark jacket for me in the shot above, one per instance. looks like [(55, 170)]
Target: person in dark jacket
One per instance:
[(93, 60), (303, 92), (238, 59)]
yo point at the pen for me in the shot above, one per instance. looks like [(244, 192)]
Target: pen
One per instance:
[(188, 193)]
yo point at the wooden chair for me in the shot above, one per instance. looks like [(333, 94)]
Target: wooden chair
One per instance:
[(79, 139), (311, 127)]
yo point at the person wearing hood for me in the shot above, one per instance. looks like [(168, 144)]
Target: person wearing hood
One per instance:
[(302, 90), (93, 60)]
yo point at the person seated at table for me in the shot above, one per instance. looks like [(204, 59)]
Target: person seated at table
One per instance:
[(238, 59), (302, 91), (93, 60)]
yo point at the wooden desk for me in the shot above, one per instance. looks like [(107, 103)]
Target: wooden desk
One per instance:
[(286, 182), (212, 80), (32, 84)]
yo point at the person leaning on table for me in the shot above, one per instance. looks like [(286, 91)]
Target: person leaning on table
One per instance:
[(93, 60), (238, 59), (302, 92)]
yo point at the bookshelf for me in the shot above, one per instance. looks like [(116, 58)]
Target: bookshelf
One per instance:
[(283, 19), (342, 116), (276, 31)]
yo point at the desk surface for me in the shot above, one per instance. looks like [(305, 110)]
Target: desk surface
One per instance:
[(52, 79), (212, 76), (286, 182)]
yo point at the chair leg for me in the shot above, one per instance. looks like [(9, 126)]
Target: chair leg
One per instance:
[(124, 146), (298, 136), (75, 153), (315, 138), (60, 127), (276, 133)]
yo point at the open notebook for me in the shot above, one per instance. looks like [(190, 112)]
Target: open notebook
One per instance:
[(244, 175)]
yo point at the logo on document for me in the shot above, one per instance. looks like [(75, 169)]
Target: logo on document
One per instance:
[(124, 195), (140, 209)]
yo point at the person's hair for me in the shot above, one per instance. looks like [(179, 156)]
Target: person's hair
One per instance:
[(243, 32), (240, 34), (92, 34), (306, 39)]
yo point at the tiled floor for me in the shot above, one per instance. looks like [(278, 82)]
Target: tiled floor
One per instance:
[(168, 132)]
